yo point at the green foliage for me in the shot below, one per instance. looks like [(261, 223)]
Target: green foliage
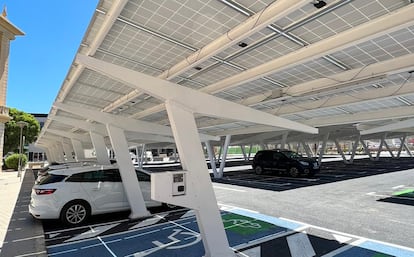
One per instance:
[(12, 162), (12, 130)]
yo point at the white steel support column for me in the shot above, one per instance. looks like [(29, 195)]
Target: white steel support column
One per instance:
[(53, 155), (389, 149), (68, 151), (408, 150), (322, 151), (283, 142), (243, 150), (175, 154), (366, 149), (401, 145), (60, 151), (143, 156), (210, 153), (49, 155), (306, 148), (203, 200), (354, 148), (340, 151), (250, 151), (127, 171), (219, 157), (78, 148), (99, 145), (380, 146), (224, 156)]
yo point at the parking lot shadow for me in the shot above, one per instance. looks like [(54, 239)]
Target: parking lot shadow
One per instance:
[(330, 172)]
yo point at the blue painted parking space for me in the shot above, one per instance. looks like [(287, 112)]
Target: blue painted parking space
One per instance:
[(249, 234)]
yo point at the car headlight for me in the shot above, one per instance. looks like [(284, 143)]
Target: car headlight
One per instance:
[(304, 163)]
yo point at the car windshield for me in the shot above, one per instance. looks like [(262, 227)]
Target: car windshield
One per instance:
[(291, 154), (51, 178)]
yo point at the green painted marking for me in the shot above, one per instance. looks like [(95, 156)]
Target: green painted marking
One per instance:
[(405, 193), (382, 255), (245, 225)]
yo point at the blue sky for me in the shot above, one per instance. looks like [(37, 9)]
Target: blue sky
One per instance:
[(40, 60)]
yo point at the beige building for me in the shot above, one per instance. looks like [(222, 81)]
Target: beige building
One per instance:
[(8, 32)]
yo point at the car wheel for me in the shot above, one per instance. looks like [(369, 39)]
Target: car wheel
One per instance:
[(258, 170), (75, 213), (294, 172)]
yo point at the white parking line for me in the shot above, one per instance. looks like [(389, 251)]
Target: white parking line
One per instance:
[(107, 248), (397, 187), (230, 189), (31, 254), (27, 238)]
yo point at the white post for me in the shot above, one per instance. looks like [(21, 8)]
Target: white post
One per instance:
[(339, 148), (99, 145), (78, 148), (401, 145), (283, 142), (389, 149), (127, 171), (354, 148), (408, 150), (306, 148), (68, 151), (60, 151), (367, 151), (211, 158), (224, 156), (250, 152), (380, 146), (143, 156), (243, 152), (192, 159), (322, 151)]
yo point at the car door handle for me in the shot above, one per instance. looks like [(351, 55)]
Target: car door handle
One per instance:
[(98, 187)]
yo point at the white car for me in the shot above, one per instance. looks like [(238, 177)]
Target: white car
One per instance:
[(58, 166), (73, 194)]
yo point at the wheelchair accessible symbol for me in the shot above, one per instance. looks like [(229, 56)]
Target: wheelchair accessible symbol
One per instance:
[(174, 244)]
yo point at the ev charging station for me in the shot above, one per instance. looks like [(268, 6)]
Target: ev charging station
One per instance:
[(176, 194)]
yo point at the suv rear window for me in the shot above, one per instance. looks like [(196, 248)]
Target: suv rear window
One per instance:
[(50, 178)]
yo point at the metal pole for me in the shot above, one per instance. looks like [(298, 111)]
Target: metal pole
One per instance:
[(21, 124)]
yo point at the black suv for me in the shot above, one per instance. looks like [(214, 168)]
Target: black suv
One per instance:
[(284, 161)]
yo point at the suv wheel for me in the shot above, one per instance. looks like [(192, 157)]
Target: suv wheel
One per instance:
[(75, 213), (294, 172), (258, 170)]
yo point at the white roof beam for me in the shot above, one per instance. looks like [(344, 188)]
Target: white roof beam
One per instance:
[(100, 129), (123, 122), (68, 134), (85, 125), (270, 14), (259, 137), (405, 124), (194, 100), (373, 95), (378, 115), (246, 130), (399, 64), (110, 18), (385, 24)]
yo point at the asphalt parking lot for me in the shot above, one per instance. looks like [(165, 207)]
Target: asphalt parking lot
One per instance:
[(263, 215)]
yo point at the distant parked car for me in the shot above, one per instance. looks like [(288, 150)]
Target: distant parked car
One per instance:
[(284, 161), (73, 194)]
